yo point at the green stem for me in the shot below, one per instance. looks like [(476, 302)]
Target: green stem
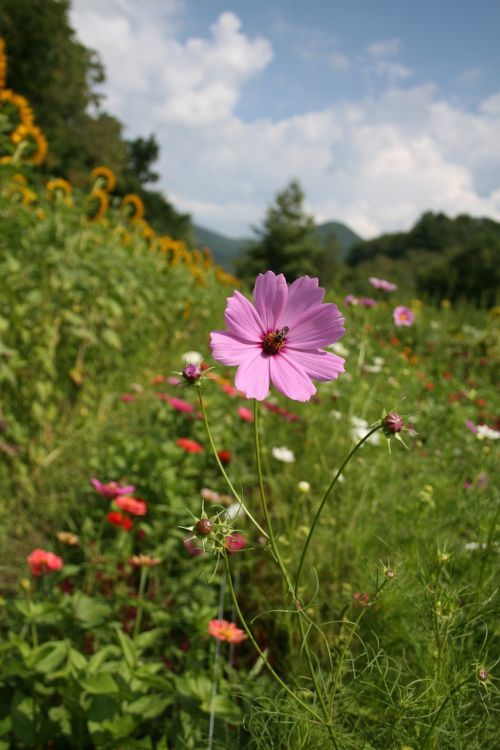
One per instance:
[(348, 643), (140, 598), (325, 498), (222, 469), (286, 577), (259, 650), (428, 736)]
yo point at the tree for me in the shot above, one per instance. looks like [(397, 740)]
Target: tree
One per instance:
[(287, 241), (58, 76)]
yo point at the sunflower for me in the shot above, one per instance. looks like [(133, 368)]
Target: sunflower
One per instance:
[(207, 258), (134, 206), (196, 257), (104, 178), (3, 64), (59, 184), (145, 229), (33, 142), (97, 204), (17, 108)]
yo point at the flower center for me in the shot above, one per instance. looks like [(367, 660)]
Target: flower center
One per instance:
[(274, 340)]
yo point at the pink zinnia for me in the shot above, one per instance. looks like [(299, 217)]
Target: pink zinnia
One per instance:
[(245, 414), (42, 562), (111, 489), (180, 405), (280, 339), (234, 542), (226, 631), (403, 316), (132, 505), (386, 286)]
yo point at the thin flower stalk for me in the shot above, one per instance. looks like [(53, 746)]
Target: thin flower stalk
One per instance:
[(286, 577), (325, 498), (140, 600), (262, 655), (222, 469)]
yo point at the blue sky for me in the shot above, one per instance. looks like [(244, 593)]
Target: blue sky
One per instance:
[(381, 109)]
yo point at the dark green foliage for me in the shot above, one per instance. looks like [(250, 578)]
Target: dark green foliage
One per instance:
[(451, 258), (472, 272), (287, 241), (58, 76)]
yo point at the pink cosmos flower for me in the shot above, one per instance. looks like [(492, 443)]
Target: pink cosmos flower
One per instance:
[(386, 286), (280, 339), (111, 489), (351, 300), (226, 631), (367, 302), (403, 316), (42, 562), (132, 505)]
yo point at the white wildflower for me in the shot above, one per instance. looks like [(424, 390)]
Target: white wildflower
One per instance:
[(283, 454)]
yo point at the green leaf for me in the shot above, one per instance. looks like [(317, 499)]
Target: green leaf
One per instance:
[(127, 647), (224, 708), (90, 612), (111, 338), (22, 711), (101, 684), (49, 657), (149, 706), (60, 715)]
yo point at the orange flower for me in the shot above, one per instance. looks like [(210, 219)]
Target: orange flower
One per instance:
[(144, 561), (133, 202), (226, 631), (35, 140), (105, 177), (132, 505)]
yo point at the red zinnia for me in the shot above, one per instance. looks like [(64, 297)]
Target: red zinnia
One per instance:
[(120, 520), (224, 457), (191, 446)]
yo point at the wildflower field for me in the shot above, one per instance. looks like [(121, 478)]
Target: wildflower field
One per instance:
[(300, 553)]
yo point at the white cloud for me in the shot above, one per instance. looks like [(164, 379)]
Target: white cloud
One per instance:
[(375, 163)]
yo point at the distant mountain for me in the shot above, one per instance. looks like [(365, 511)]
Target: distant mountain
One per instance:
[(226, 249)]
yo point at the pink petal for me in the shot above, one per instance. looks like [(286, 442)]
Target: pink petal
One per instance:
[(230, 351), (289, 378), (252, 376), (317, 364), (302, 294), (270, 295), (243, 320), (319, 326)]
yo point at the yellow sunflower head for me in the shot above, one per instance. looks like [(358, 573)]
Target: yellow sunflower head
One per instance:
[(134, 207), (32, 142), (96, 204), (3, 64), (104, 178)]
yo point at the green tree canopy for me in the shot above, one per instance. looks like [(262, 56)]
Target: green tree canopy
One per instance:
[(287, 243), (58, 75)]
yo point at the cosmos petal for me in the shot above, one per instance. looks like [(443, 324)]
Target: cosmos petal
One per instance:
[(320, 325), (317, 364), (252, 376), (229, 350), (289, 378), (270, 294), (243, 320), (303, 293)]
